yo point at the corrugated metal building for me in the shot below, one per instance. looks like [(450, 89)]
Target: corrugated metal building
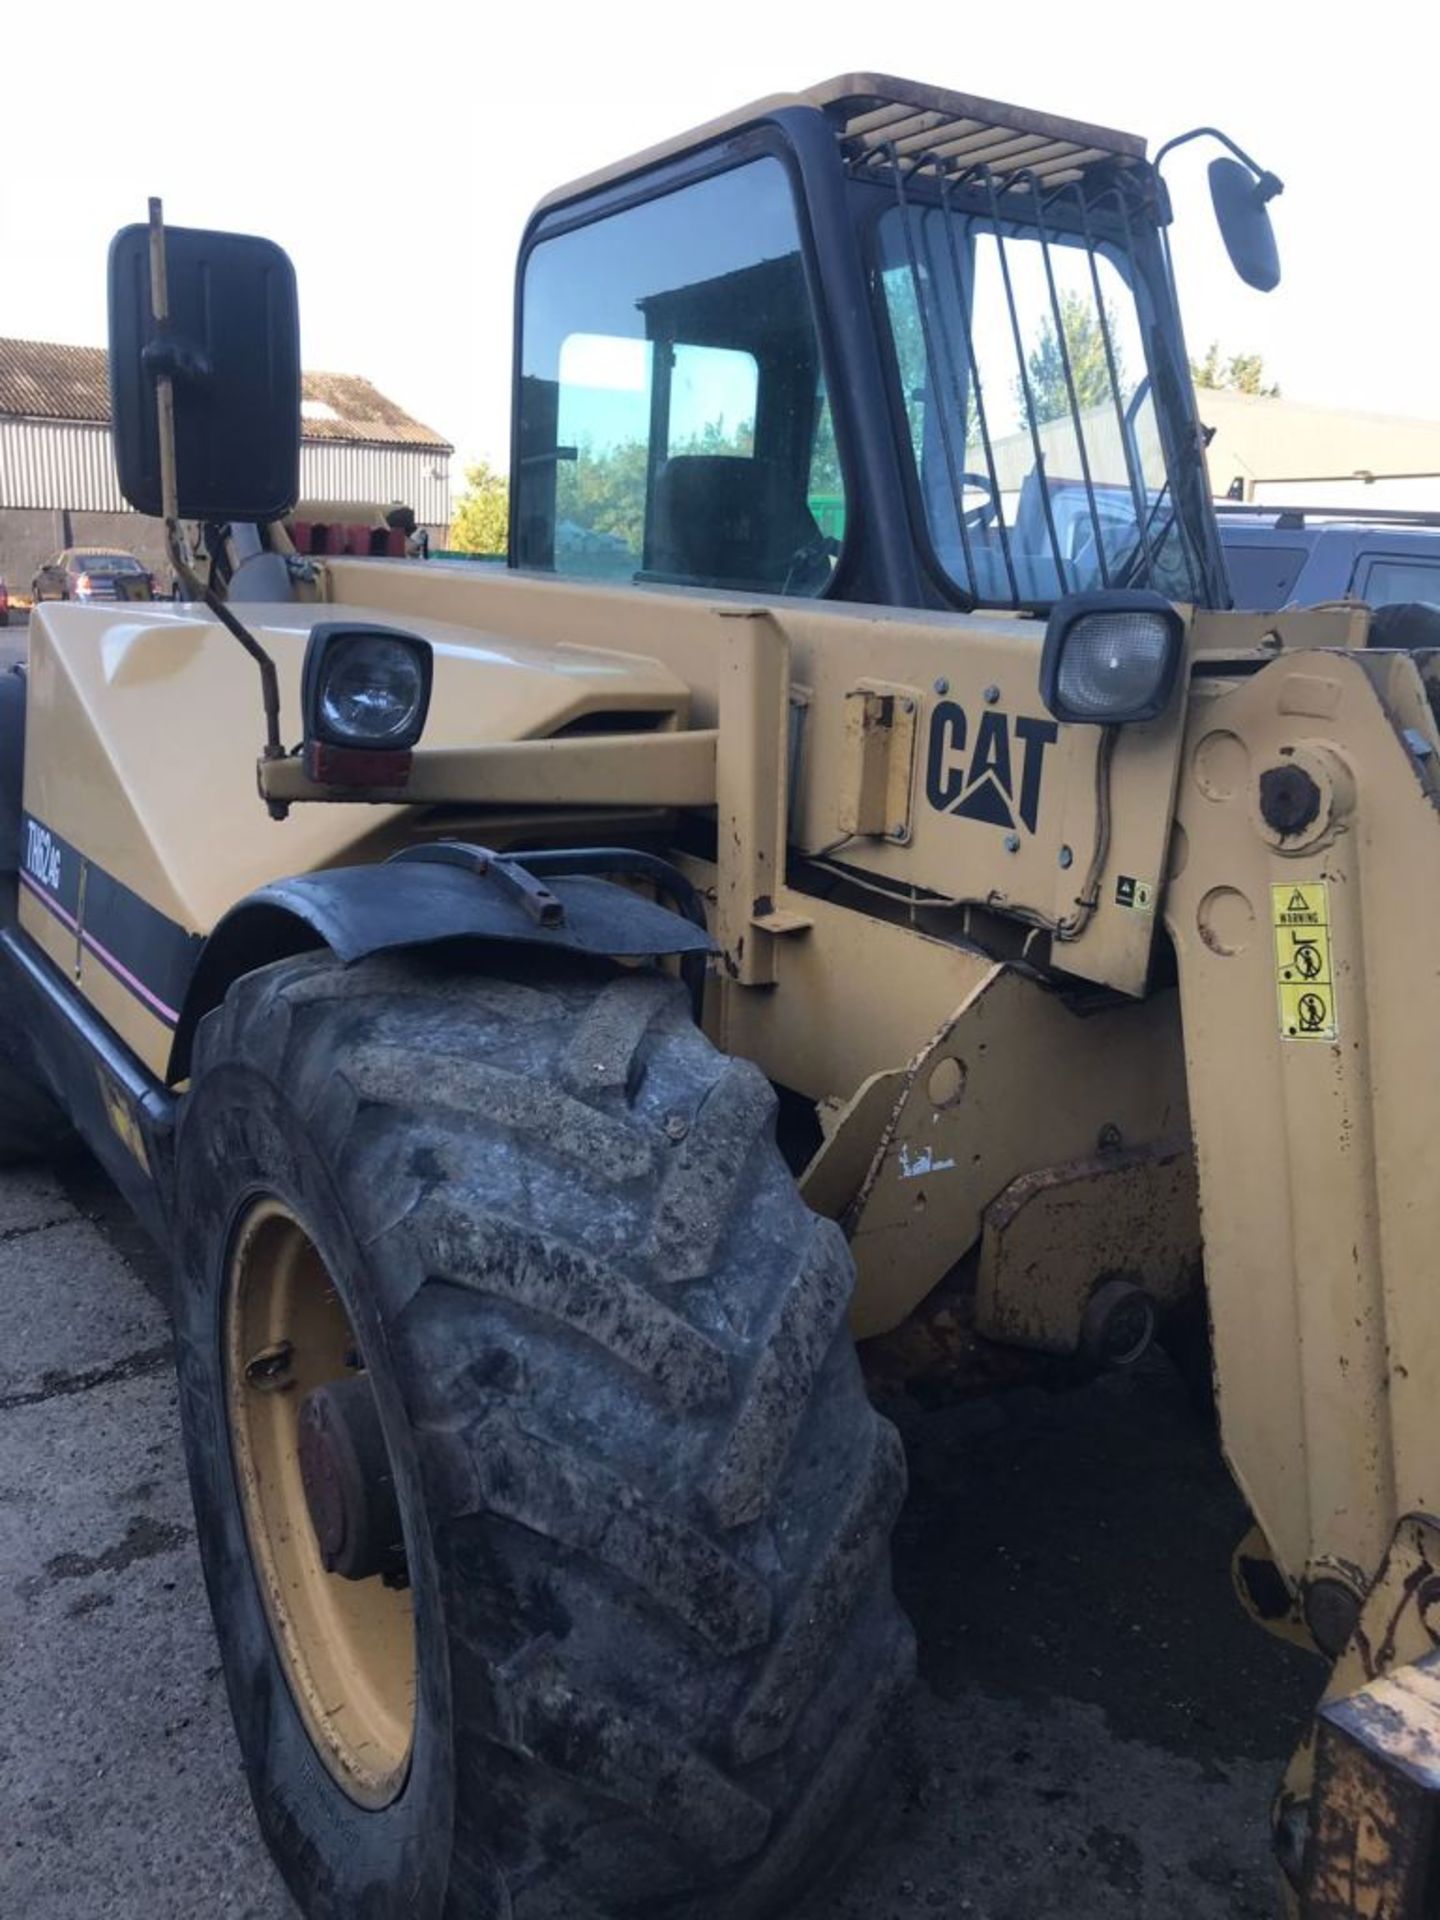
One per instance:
[(1290, 453), (1262, 448), (58, 485)]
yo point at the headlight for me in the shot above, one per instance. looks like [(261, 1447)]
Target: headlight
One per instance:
[(365, 688), (1110, 657), (371, 691)]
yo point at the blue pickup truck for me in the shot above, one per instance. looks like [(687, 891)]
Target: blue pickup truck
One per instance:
[(1288, 556)]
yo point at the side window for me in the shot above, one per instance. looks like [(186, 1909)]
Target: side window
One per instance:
[(1385, 581), (1262, 578), (674, 425)]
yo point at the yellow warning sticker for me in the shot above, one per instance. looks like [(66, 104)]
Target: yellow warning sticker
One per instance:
[(1301, 914)]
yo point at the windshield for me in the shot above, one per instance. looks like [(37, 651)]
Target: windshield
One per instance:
[(108, 563), (1020, 349)]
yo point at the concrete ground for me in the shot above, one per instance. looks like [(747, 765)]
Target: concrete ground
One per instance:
[(120, 1789), (1095, 1734)]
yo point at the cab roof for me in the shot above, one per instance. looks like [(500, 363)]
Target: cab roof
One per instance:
[(878, 117)]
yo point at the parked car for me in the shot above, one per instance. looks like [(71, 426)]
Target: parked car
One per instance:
[(93, 573), (1300, 556)]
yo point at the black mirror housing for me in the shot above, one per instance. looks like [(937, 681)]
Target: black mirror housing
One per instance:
[(1241, 210), (232, 350)]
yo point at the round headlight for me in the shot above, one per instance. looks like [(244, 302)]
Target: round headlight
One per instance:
[(1106, 661), (372, 691)]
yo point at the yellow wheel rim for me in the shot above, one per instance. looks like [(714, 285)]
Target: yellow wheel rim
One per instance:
[(347, 1646)]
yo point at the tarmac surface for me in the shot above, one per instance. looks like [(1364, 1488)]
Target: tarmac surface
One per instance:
[(12, 638), (1096, 1731)]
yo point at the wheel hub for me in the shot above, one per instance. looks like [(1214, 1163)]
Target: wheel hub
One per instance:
[(349, 1488)]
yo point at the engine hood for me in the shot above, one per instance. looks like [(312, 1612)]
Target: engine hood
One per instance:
[(145, 723)]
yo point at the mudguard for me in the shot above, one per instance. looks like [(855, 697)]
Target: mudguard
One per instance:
[(360, 911)]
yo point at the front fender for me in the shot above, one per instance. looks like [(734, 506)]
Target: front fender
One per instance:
[(360, 911)]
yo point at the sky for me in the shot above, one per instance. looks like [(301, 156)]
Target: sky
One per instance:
[(397, 152)]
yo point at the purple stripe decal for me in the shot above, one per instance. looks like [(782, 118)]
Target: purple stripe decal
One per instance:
[(127, 979), (103, 955), (49, 900)]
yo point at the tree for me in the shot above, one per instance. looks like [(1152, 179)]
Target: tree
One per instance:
[(1089, 366), (911, 332), (480, 523), (1241, 373), (602, 491), (716, 437)]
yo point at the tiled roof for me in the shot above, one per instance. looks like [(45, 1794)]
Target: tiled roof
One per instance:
[(42, 381), (46, 382)]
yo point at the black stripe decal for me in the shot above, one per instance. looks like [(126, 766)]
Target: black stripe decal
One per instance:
[(152, 956)]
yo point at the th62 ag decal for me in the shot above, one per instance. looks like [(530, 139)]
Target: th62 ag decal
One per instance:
[(996, 777), (42, 856)]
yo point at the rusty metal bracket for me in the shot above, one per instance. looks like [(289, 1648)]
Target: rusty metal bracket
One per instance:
[(750, 781)]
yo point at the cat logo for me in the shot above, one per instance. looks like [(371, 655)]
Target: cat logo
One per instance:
[(986, 787)]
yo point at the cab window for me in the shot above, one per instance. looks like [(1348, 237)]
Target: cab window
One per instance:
[(674, 425)]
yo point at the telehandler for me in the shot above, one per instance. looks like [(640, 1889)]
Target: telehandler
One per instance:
[(858, 734)]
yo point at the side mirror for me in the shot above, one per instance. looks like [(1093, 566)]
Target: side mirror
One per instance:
[(1240, 198), (231, 347)]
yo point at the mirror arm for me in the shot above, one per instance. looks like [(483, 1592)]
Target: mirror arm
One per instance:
[(176, 543), (1267, 184)]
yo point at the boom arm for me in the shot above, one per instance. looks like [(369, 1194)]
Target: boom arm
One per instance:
[(1306, 918), (1307, 924)]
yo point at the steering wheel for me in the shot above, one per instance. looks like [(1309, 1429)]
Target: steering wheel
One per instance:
[(811, 565), (976, 519)]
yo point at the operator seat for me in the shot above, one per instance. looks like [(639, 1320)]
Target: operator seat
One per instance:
[(721, 520)]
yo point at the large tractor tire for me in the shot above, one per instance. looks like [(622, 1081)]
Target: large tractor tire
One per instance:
[(499, 1296)]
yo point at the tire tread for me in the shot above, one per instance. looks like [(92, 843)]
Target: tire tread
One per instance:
[(658, 1492)]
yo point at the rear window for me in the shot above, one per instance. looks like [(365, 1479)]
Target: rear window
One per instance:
[(1385, 582), (108, 563), (1262, 578)]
